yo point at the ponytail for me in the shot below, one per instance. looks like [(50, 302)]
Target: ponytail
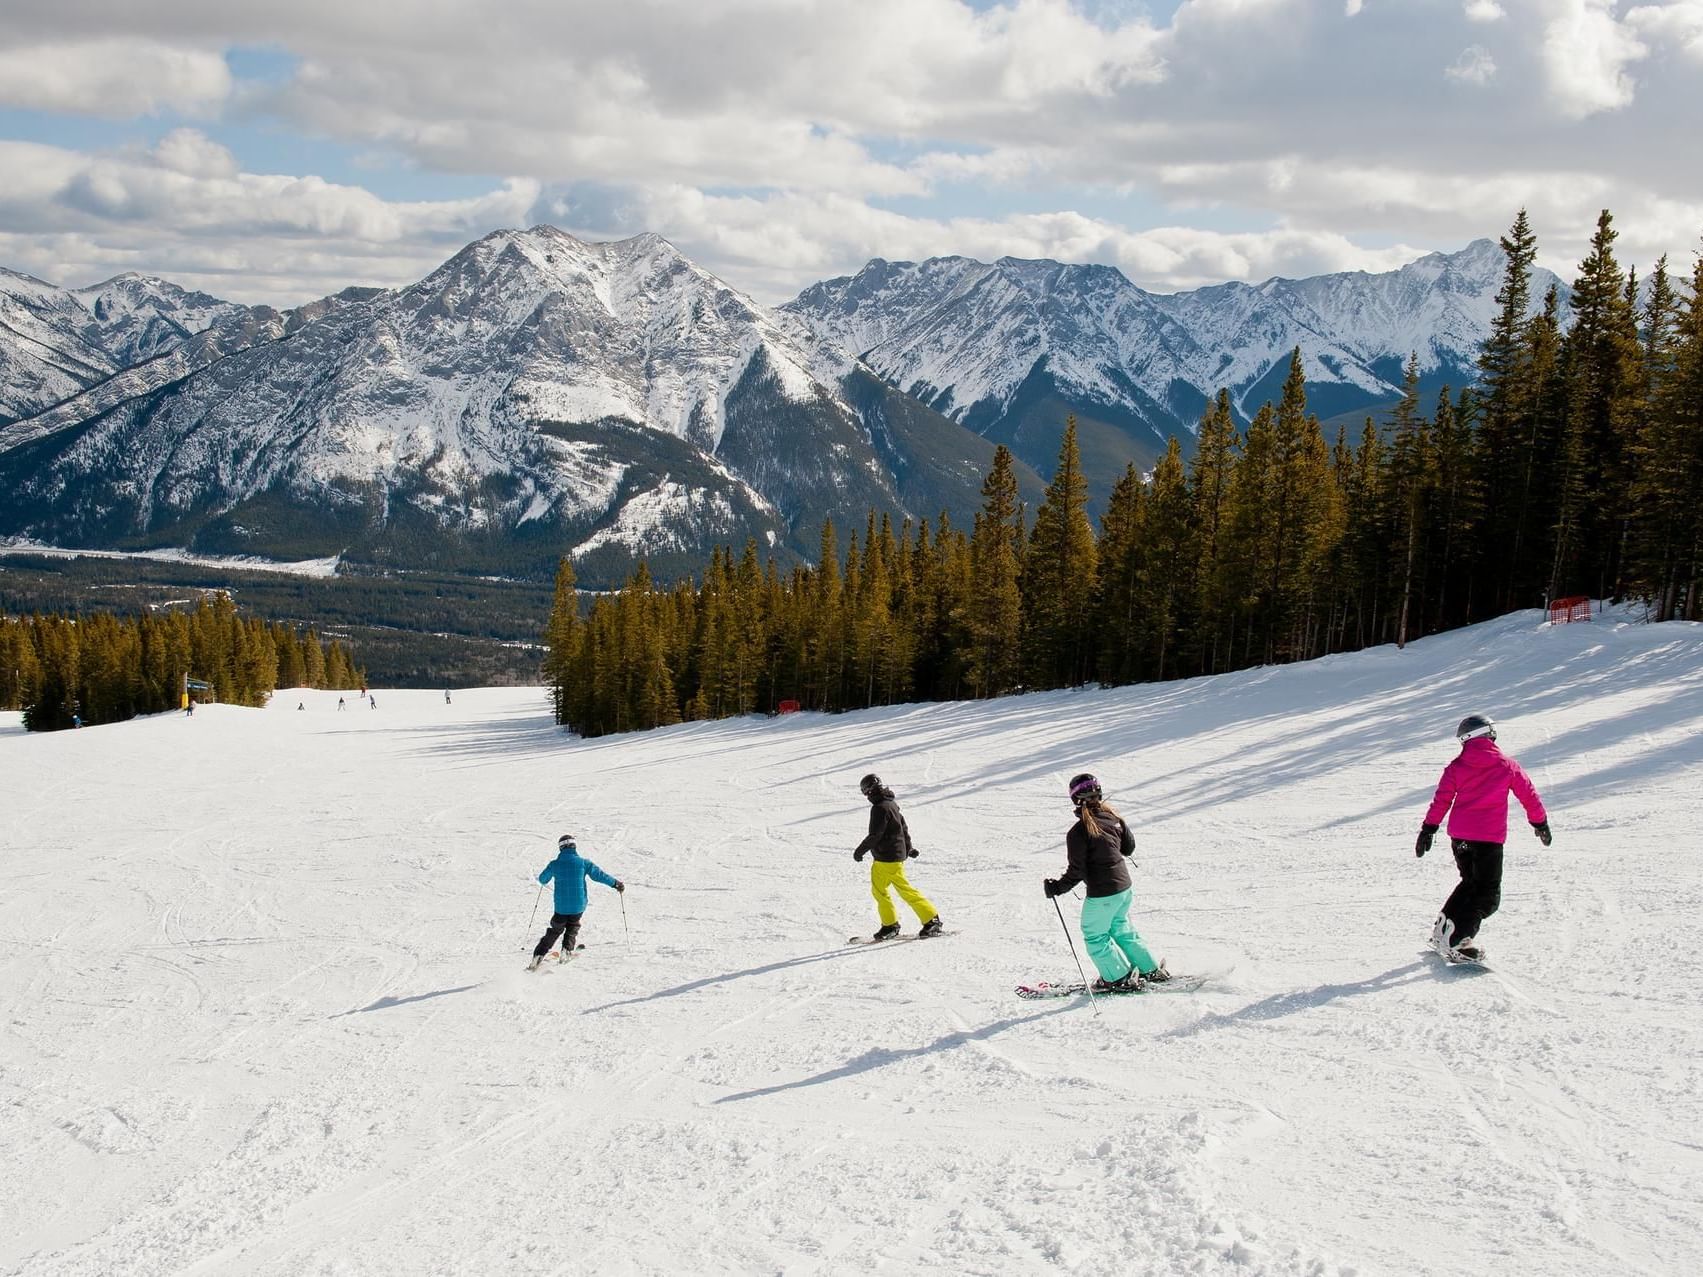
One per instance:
[(1090, 809)]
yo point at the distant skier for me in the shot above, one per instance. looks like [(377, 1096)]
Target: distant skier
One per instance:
[(568, 871), (889, 842), (1097, 846), (446, 696), (339, 704), (1474, 792)]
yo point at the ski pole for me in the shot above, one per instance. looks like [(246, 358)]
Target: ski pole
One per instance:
[(534, 918), (1070, 940), (626, 931)]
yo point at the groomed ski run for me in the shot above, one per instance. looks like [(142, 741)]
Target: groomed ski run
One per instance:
[(265, 1008)]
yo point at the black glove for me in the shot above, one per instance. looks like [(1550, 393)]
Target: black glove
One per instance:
[(1426, 834), (620, 886), (1541, 829), (912, 853), (858, 855), (1051, 887)]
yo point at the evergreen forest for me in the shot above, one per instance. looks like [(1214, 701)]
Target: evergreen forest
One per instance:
[(101, 668), (1573, 467)]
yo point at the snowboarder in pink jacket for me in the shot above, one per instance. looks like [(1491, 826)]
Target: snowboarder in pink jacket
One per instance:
[(1474, 795)]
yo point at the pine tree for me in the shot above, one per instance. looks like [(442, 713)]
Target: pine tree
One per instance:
[(1409, 485), (1247, 541), (1668, 494), (995, 609), (1456, 510), (1603, 408), (1059, 575), (1121, 559), (562, 636), (1209, 493)]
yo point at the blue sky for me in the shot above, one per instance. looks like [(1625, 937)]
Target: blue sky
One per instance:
[(276, 157)]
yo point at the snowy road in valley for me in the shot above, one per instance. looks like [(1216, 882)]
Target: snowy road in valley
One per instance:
[(264, 1009)]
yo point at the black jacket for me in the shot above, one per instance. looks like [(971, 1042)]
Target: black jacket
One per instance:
[(1098, 859), (889, 837)]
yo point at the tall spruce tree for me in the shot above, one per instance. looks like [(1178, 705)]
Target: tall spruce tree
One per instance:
[(995, 605), (1602, 377), (1059, 577), (1209, 493)]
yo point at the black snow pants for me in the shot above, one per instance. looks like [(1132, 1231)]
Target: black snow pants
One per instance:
[(566, 925), (1480, 890)]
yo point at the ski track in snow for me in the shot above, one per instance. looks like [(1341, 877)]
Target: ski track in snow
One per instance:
[(265, 1009)]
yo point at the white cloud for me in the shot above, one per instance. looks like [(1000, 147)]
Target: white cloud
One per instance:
[(1585, 54), (778, 139), (1679, 23), (1474, 66), (193, 154), (182, 209), (119, 77)]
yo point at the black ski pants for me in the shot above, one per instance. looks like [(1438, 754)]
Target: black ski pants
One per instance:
[(566, 925), (1479, 892)]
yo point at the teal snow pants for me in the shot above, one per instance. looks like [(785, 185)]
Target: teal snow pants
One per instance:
[(1110, 940)]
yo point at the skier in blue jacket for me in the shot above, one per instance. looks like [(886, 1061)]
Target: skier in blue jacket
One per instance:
[(568, 871)]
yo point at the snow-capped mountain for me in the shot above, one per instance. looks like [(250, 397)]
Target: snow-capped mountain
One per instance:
[(538, 394), (1007, 348), (535, 394), (55, 342)]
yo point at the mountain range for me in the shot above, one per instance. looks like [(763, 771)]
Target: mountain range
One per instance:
[(1009, 348), (538, 394)]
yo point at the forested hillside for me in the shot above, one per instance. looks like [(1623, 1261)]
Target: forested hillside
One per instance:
[(1574, 466)]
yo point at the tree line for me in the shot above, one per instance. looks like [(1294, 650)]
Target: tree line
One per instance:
[(103, 668), (1573, 465)]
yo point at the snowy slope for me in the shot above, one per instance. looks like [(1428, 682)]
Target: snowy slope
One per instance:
[(276, 1023), (47, 350), (55, 342)]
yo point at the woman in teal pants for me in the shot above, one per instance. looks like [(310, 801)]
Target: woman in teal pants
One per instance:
[(1098, 845)]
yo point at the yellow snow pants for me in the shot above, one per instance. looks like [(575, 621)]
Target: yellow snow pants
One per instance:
[(891, 873)]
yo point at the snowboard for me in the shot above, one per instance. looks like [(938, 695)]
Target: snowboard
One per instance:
[(1455, 958), (1076, 988), (866, 940)]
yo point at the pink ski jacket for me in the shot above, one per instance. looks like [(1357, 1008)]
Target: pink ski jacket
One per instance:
[(1476, 786)]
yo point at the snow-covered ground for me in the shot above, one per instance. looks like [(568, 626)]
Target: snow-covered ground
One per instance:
[(248, 562), (263, 1008)]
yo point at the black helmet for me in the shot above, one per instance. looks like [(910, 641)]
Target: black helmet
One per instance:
[(1473, 726), (1084, 788), (565, 843), (869, 784)]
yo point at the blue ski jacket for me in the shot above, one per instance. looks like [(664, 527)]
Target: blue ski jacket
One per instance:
[(570, 870)]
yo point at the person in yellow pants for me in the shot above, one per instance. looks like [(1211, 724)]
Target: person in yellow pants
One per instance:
[(889, 842)]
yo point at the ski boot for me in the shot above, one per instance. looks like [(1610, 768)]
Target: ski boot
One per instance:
[(888, 932), (932, 927), (537, 961), (1159, 975)]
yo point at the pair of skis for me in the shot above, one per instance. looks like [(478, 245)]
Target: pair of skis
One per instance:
[(538, 964), (871, 940), (1076, 988)]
